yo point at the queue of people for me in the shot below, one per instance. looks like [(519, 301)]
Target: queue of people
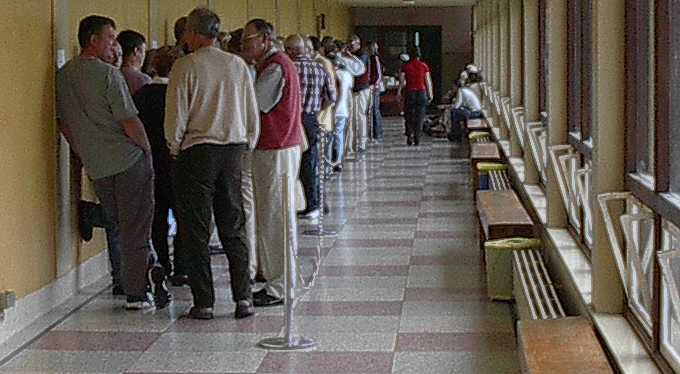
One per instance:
[(218, 126)]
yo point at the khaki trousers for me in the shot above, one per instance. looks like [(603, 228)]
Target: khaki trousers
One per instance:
[(268, 168), (360, 113), (249, 211)]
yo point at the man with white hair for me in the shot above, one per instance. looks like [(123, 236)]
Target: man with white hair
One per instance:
[(466, 106), (211, 120)]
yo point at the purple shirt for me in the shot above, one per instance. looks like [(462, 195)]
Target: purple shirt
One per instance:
[(135, 79)]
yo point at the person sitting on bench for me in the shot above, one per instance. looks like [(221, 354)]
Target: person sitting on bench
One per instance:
[(466, 106)]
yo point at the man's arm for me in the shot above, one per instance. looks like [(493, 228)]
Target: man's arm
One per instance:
[(176, 109), (353, 64), (428, 83), (134, 129), (269, 88), (402, 83), (251, 111), (330, 96), (459, 98)]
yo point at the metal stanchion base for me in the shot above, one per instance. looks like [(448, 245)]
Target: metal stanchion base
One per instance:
[(281, 343), (317, 232)]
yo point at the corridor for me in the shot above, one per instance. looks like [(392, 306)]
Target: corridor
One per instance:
[(400, 290)]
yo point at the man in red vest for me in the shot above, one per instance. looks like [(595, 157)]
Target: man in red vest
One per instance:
[(277, 155)]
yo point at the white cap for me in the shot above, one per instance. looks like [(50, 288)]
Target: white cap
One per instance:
[(473, 69), (404, 57), (463, 75)]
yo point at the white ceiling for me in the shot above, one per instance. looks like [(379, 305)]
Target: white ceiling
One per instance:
[(397, 3)]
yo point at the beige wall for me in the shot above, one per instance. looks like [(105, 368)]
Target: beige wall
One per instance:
[(456, 24), (28, 147)]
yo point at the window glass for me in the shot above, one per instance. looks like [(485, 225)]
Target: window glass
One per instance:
[(638, 230), (670, 324), (645, 131)]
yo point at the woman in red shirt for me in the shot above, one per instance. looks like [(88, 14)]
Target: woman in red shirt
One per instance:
[(415, 78)]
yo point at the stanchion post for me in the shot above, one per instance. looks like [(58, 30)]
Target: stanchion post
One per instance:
[(290, 340), (370, 119)]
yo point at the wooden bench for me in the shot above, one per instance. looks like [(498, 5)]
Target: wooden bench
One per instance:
[(478, 124), (548, 341), (482, 152), (502, 215), (562, 346)]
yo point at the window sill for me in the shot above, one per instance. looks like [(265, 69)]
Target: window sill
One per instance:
[(620, 339), (505, 147), (517, 164), (573, 259), (624, 344), (538, 201)]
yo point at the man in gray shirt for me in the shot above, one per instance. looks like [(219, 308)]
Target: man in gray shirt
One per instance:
[(96, 114)]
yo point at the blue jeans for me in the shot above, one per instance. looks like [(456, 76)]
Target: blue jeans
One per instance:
[(309, 170), (459, 117), (339, 138), (377, 117)]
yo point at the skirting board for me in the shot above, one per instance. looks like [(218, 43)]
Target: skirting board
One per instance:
[(36, 312)]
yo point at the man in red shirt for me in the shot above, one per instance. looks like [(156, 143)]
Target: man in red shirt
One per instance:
[(415, 78)]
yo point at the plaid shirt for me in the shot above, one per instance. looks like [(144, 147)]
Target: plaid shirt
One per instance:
[(315, 85)]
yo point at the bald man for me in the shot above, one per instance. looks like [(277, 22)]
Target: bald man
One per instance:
[(318, 93)]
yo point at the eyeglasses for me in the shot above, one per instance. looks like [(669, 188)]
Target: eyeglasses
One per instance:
[(251, 36)]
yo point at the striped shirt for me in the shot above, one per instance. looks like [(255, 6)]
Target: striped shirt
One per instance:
[(315, 85)]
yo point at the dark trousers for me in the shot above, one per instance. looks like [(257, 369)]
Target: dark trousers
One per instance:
[(377, 116), (165, 200), (459, 117), (94, 215), (127, 199), (208, 179), (414, 114), (309, 171)]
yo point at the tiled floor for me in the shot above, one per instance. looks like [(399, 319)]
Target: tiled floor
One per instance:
[(400, 291)]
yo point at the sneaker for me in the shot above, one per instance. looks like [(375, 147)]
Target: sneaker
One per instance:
[(138, 302), (160, 289), (337, 168), (201, 313), (244, 308), (262, 299), (309, 214)]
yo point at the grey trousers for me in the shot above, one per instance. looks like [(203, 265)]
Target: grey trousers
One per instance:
[(127, 199)]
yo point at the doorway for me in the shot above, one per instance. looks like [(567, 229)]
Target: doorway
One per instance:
[(394, 40)]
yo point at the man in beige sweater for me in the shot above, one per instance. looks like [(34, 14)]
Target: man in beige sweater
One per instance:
[(211, 120)]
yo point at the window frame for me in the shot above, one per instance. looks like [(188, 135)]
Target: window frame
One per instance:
[(666, 91), (580, 111)]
